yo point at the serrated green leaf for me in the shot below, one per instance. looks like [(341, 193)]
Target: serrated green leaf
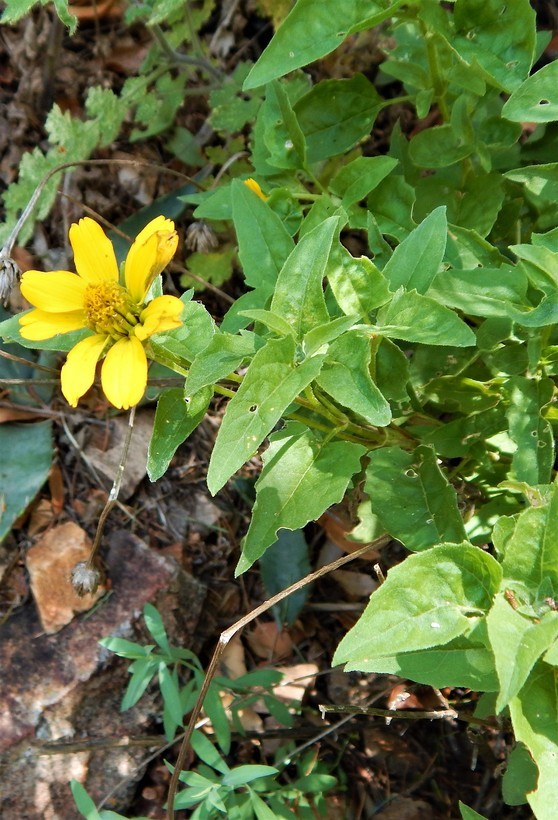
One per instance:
[(176, 418), (457, 663), (299, 296), (428, 600), (271, 383), (488, 292), (336, 114), (412, 498), (533, 460), (26, 461), (264, 243), (346, 377), (222, 356), (498, 45), (415, 262), (108, 110), (311, 31), (193, 336), (517, 644), (302, 477), (355, 180), (283, 563), (534, 714), (415, 318)]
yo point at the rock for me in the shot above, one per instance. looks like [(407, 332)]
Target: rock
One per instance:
[(107, 461), (50, 562), (65, 688)]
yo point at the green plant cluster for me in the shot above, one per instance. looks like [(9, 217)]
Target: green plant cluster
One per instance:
[(213, 789), (420, 374)]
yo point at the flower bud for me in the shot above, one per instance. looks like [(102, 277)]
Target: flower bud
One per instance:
[(85, 579), (200, 237)]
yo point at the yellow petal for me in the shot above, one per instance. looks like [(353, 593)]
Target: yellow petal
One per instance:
[(38, 324), (124, 373), (93, 252), (253, 185), (152, 250), (78, 373), (163, 313), (54, 292)]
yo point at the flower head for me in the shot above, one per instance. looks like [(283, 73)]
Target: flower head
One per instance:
[(119, 316)]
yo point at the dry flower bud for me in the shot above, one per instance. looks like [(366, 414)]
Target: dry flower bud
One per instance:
[(9, 273), (85, 579), (200, 237)]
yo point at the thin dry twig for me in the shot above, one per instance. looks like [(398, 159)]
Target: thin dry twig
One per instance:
[(226, 637)]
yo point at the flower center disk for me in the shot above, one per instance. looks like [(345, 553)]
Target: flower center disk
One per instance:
[(108, 309)]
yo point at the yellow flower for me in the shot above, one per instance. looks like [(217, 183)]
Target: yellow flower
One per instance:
[(253, 185), (118, 315)]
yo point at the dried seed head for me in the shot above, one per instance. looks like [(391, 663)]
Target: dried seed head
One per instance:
[(201, 237), (85, 579), (9, 274)]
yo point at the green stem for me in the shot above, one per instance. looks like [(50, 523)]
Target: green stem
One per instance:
[(434, 67)]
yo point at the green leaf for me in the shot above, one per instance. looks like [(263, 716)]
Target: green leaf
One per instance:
[(271, 383), (84, 803), (536, 99), (497, 44), (283, 135), (481, 291), (415, 262), (412, 497), (301, 478), (438, 147), (193, 336), (207, 752), (142, 672), (355, 180), (176, 418), (299, 296), (415, 318), (537, 527), (275, 323), (517, 644), (520, 776), (283, 563), (311, 31), (345, 376), (426, 601), (335, 114), (26, 460), (323, 334), (241, 775), (126, 649), (470, 814), (461, 662), (171, 697), (222, 356), (533, 460), (215, 711), (156, 627), (356, 283), (392, 203), (263, 241), (534, 714)]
